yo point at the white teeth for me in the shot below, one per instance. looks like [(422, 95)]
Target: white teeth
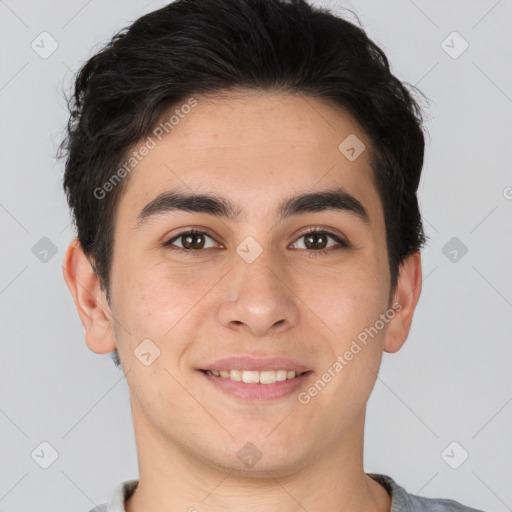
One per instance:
[(250, 377), (281, 375), (236, 375), (267, 377), (253, 376)]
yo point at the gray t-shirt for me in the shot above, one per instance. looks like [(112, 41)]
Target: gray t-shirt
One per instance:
[(401, 501)]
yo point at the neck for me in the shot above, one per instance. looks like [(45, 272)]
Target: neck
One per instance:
[(174, 477)]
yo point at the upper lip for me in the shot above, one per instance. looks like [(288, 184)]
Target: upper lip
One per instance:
[(255, 363)]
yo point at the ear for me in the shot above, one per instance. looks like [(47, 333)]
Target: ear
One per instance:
[(90, 300), (406, 296)]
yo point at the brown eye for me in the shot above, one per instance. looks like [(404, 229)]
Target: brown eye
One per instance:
[(316, 241), (193, 241), (190, 241)]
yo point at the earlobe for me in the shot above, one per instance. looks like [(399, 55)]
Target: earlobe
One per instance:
[(406, 297), (90, 299)]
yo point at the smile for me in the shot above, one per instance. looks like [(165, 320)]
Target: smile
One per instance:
[(255, 377), (252, 386)]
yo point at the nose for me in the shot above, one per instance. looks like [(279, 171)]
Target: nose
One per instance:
[(258, 298)]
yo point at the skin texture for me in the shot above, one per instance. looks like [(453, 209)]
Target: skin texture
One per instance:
[(255, 149)]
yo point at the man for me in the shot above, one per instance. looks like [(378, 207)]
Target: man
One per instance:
[(243, 178)]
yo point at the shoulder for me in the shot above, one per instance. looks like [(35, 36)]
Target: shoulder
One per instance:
[(421, 504), (117, 500), (402, 501)]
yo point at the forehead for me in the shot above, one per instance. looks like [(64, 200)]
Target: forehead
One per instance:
[(255, 148)]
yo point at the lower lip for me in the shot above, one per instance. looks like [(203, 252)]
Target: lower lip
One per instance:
[(257, 392)]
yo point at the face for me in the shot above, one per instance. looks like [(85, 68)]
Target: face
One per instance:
[(256, 286)]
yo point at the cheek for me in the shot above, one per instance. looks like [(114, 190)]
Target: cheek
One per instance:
[(154, 298), (352, 351), (158, 303), (153, 306), (347, 299)]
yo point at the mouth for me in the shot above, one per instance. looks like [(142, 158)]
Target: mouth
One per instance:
[(253, 386), (254, 376)]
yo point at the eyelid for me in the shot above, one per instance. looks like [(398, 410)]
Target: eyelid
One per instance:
[(323, 229), (191, 230)]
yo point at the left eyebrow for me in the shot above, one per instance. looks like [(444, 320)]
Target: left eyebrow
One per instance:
[(212, 204)]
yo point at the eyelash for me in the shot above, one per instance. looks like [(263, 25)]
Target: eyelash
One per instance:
[(315, 230)]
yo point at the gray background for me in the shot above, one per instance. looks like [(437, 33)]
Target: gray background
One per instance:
[(452, 381)]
